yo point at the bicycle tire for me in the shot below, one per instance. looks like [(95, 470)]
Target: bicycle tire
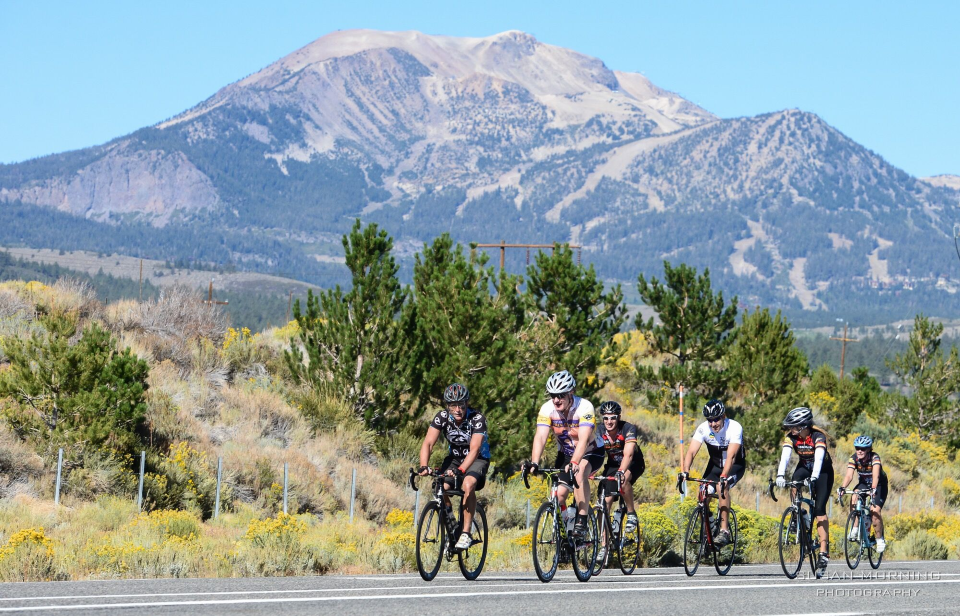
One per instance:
[(584, 550), (431, 537), (852, 550), (545, 544), (813, 550), (723, 557), (873, 556), (605, 540), (628, 546), (789, 544), (472, 559), (693, 542)]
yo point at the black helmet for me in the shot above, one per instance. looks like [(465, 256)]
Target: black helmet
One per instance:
[(714, 409), (456, 394), (800, 417), (610, 408)]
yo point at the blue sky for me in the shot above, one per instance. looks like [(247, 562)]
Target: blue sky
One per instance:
[(75, 74)]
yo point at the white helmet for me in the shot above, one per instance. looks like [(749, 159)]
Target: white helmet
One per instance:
[(561, 383)]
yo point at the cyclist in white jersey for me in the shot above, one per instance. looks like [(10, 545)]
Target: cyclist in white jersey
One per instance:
[(727, 463), (580, 447)]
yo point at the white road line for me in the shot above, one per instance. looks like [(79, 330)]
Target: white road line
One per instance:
[(544, 591)]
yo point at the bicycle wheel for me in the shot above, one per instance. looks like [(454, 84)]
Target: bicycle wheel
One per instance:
[(789, 542), (693, 542), (813, 549), (853, 550), (471, 560), (628, 545), (430, 541), (606, 539), (546, 543), (873, 555), (723, 557), (585, 550)]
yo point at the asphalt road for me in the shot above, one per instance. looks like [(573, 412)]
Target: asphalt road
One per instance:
[(896, 588)]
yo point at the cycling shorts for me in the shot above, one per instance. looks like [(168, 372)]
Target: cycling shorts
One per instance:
[(636, 469), (822, 487), (881, 496), (477, 470), (593, 458), (712, 473)]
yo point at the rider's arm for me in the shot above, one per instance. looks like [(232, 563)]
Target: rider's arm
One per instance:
[(539, 442), (847, 478), (784, 460), (818, 455), (584, 437), (731, 455), (476, 442), (628, 449), (428, 442), (876, 475), (690, 455)]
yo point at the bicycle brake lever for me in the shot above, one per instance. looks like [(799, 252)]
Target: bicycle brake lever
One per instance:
[(413, 483)]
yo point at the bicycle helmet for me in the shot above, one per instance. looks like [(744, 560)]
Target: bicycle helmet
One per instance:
[(456, 394), (863, 442), (714, 409), (610, 408), (800, 417), (561, 383)]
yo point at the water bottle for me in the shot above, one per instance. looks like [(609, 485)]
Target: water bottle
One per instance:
[(710, 489), (569, 518), (615, 525), (806, 519)]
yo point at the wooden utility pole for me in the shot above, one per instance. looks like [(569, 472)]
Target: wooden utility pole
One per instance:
[(843, 347), (503, 249), (209, 299)]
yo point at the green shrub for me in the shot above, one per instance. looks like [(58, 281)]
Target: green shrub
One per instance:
[(921, 545), (658, 534)]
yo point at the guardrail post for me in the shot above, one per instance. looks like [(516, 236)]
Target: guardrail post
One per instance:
[(528, 513), (931, 502), (758, 501), (285, 484), (56, 496), (416, 509), (216, 507), (143, 460), (900, 505), (830, 507), (353, 492)]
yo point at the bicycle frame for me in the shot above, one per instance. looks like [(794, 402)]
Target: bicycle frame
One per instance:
[(801, 505), (450, 521), (861, 508), (703, 503)]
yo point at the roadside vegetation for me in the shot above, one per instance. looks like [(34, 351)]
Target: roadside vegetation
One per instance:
[(349, 384)]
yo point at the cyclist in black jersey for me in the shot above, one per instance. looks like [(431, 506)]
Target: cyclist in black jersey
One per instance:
[(865, 463), (469, 458), (623, 457), (727, 463), (810, 443)]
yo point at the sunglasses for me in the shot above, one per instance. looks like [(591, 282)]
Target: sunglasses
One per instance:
[(862, 448), (611, 417), (717, 420)]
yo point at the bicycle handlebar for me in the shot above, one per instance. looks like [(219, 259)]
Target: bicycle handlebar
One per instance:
[(615, 477), (789, 484), (546, 471), (723, 487), (414, 474)]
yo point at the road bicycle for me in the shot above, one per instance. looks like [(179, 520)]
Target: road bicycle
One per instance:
[(701, 533), (795, 540), (439, 530), (611, 526), (552, 542), (859, 522)]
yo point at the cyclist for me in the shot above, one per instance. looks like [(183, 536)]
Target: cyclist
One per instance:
[(865, 462), (469, 457), (727, 462), (624, 458), (810, 443), (580, 450)]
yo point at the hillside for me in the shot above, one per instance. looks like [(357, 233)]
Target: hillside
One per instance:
[(493, 138)]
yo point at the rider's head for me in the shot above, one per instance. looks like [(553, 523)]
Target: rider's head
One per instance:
[(610, 412), (863, 444), (455, 399), (714, 412), (560, 388), (797, 420)]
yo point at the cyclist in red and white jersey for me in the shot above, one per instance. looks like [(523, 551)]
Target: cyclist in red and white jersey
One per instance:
[(580, 449)]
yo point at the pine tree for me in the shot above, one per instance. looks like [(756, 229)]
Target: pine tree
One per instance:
[(934, 380), (693, 333), (354, 349), (587, 317)]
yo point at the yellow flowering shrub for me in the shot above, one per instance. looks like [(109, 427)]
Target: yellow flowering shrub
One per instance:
[(28, 556), (400, 518)]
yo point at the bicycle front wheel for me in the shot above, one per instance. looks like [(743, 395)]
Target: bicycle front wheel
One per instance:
[(471, 560), (853, 550), (606, 539), (723, 557), (585, 550), (546, 543), (431, 540), (789, 542), (628, 545), (873, 555), (693, 542)]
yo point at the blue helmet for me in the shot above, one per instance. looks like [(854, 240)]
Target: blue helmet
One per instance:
[(863, 442)]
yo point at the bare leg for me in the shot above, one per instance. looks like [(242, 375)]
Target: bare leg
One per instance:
[(469, 501)]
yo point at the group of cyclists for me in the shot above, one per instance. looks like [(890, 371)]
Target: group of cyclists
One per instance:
[(584, 447)]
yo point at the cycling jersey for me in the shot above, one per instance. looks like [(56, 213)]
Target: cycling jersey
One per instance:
[(865, 469), (614, 446), (806, 446), (566, 427), (459, 436), (718, 442)]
